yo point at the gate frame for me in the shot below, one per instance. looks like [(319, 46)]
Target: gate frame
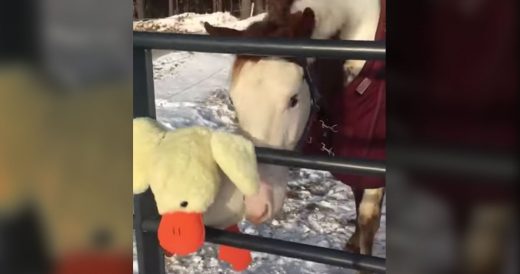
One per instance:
[(150, 256)]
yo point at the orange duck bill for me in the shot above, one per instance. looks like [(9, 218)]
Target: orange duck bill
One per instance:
[(181, 233)]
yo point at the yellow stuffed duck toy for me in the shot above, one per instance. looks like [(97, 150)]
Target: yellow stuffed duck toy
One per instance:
[(183, 169)]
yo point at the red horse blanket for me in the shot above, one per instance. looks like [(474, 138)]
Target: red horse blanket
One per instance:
[(355, 124)]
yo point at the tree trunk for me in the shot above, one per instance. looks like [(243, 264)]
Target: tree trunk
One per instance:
[(259, 6), (140, 8), (186, 6), (245, 8)]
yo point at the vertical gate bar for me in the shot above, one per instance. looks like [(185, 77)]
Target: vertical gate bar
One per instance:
[(144, 95), (150, 256)]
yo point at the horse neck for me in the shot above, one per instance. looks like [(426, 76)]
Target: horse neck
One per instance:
[(345, 20), (329, 78), (354, 19)]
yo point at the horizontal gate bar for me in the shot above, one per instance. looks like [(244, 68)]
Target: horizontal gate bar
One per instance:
[(333, 164), (336, 49), (288, 249), (496, 167)]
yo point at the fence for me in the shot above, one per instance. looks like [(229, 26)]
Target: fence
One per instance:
[(149, 254)]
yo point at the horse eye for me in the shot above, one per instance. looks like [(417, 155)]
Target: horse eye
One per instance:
[(293, 102)]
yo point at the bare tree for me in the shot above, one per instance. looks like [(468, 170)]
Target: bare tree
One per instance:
[(259, 6), (140, 8), (186, 5), (245, 8)]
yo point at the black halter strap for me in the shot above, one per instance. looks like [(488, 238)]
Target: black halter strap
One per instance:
[(315, 97)]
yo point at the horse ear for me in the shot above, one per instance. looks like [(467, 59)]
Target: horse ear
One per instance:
[(221, 31), (235, 155), (304, 24)]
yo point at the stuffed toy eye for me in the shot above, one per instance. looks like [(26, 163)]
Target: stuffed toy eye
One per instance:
[(184, 204)]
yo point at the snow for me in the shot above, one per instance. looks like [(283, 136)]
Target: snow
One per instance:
[(191, 89), (194, 23)]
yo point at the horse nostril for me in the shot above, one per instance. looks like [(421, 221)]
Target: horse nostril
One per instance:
[(184, 204), (266, 211), (261, 217)]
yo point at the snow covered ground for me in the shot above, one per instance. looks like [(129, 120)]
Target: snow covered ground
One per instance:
[(191, 89), (193, 23)]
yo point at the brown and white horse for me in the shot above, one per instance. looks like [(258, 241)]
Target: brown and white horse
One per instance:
[(273, 102)]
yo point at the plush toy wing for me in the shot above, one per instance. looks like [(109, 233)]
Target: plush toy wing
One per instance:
[(236, 157), (147, 135)]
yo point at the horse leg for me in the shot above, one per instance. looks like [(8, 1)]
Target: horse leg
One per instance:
[(368, 220), (353, 243), (486, 241), (369, 217)]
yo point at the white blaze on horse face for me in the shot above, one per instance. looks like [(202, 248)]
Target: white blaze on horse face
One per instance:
[(264, 94), (261, 92)]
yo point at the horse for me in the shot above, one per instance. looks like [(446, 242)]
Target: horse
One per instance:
[(273, 100)]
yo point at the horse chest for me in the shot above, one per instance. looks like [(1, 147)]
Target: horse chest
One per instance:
[(353, 125)]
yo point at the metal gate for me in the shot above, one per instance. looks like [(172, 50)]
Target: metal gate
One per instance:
[(146, 219)]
